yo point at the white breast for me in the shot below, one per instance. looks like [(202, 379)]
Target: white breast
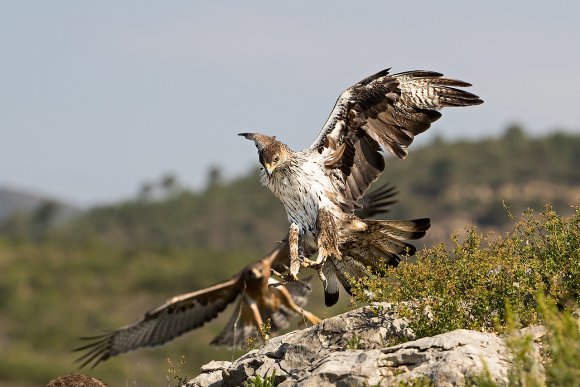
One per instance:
[(303, 193)]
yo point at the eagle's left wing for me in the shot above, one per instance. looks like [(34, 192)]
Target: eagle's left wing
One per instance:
[(177, 316), (382, 112)]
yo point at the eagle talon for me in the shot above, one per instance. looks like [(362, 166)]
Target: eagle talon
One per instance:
[(279, 275), (287, 277), (305, 262)]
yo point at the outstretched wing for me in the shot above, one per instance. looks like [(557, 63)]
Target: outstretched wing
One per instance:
[(382, 112), (177, 316)]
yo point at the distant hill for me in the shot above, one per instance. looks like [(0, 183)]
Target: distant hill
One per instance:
[(466, 182)]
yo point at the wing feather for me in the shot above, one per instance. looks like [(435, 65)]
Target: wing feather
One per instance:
[(177, 316), (377, 201), (383, 112)]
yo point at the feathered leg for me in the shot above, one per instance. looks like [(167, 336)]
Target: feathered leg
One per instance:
[(327, 242), (296, 250)]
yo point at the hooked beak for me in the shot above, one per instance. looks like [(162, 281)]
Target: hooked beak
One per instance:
[(269, 169)]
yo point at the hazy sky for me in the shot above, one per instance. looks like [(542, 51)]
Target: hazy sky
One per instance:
[(97, 97)]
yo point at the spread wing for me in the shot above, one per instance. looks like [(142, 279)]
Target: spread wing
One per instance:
[(382, 112), (177, 316)]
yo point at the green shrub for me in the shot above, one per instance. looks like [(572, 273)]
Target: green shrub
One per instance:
[(468, 285)]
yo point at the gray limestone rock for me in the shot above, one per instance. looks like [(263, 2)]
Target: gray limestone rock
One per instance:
[(355, 348)]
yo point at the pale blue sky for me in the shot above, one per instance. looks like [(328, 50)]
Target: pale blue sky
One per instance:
[(97, 97)]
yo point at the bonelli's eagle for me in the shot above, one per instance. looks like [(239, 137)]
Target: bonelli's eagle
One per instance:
[(320, 187)]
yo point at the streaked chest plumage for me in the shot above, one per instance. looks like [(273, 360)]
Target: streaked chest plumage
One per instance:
[(303, 189)]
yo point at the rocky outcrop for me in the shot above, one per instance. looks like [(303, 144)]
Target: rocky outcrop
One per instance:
[(354, 349)]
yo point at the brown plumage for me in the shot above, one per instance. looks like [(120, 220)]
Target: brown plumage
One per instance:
[(257, 303)]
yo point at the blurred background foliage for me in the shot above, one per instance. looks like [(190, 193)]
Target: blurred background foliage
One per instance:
[(66, 273)]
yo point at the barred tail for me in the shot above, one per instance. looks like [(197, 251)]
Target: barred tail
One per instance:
[(386, 240)]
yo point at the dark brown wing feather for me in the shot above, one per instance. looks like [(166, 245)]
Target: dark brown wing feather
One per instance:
[(177, 316), (377, 202), (383, 112)]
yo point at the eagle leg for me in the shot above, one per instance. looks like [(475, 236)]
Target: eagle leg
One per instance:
[(295, 246), (257, 317), (327, 242), (287, 300)]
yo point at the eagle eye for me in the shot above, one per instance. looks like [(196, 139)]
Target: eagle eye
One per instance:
[(276, 159)]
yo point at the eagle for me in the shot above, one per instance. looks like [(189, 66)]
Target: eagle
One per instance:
[(260, 298), (320, 187)]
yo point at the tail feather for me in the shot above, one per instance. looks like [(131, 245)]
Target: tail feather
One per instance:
[(394, 246), (382, 243), (421, 224), (341, 271), (385, 241), (348, 269), (331, 290)]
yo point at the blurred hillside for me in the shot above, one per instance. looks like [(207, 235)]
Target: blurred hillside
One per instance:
[(106, 267), (466, 182)]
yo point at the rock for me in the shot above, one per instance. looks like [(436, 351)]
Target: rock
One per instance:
[(354, 349), (211, 374)]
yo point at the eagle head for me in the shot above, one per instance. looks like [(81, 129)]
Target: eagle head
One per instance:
[(272, 153), (254, 272)]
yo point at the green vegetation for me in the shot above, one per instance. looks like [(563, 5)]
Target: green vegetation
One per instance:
[(563, 346), (257, 381), (354, 343), (465, 182), (175, 370), (468, 285), (107, 267)]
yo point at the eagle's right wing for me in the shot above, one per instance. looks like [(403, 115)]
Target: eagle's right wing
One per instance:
[(382, 112), (177, 316)]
